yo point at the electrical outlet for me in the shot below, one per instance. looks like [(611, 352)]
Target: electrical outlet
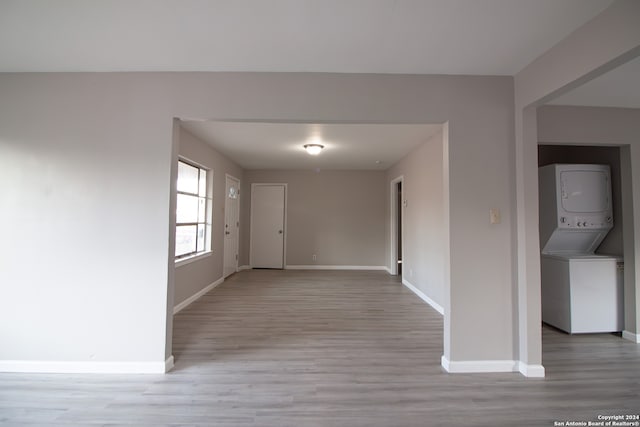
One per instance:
[(314, 257)]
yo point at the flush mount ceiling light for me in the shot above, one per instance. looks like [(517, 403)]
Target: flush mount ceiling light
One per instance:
[(313, 149)]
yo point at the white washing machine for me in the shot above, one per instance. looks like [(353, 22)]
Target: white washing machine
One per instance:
[(582, 292)]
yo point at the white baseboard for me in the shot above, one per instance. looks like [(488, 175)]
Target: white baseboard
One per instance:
[(244, 267), (335, 267), (85, 367), (192, 298), (168, 364), (631, 336), (531, 371), (478, 366), (492, 366), (422, 296), (387, 269)]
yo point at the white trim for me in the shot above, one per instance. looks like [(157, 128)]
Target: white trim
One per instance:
[(477, 366), (168, 364), (335, 267), (194, 163), (631, 336), (233, 177), (492, 366), (531, 371), (437, 307), (244, 267), (393, 269), (178, 307), (193, 258), (445, 364), (85, 367), (446, 242), (224, 220), (208, 212), (388, 270)]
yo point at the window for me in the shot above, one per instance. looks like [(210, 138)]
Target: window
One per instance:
[(193, 211)]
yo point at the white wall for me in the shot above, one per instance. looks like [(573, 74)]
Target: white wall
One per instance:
[(113, 303), (336, 215), (424, 231), (195, 276)]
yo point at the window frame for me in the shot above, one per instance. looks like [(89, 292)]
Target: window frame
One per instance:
[(206, 223)]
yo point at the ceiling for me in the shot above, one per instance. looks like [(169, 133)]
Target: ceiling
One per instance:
[(619, 87), (477, 37), (482, 37), (257, 145)]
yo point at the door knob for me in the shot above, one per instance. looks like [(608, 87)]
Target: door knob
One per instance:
[(279, 231)]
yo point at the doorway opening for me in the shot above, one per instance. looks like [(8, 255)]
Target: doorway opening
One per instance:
[(435, 155), (605, 276), (399, 227), (396, 226)]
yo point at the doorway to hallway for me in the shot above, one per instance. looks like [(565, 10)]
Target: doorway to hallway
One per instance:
[(396, 226)]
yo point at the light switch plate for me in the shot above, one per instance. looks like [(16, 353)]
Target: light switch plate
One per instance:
[(494, 215)]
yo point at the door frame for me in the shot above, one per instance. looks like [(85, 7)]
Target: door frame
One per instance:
[(626, 222), (284, 228), (224, 252), (393, 267)]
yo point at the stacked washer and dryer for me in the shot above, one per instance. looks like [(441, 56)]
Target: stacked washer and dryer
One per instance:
[(582, 292)]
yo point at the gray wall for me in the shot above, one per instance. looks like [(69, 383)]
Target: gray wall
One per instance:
[(84, 209), (193, 277), (337, 215), (85, 170), (608, 40), (97, 206), (603, 43), (424, 230)]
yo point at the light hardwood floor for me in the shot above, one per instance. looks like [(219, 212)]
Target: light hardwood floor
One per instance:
[(328, 348)]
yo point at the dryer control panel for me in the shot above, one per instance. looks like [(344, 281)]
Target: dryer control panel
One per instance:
[(585, 222)]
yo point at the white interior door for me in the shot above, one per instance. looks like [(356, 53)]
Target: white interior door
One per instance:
[(267, 225), (231, 225)]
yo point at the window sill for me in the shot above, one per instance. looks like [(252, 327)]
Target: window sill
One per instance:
[(193, 258)]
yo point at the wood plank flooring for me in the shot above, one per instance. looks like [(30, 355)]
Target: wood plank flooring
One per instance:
[(328, 348)]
